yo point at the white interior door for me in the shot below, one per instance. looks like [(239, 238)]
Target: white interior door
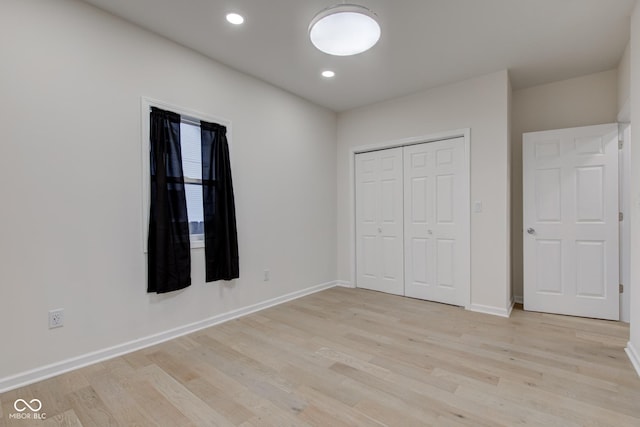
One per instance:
[(379, 248), (571, 221), (436, 218)]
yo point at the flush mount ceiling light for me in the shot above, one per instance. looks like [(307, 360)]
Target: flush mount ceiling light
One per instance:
[(344, 29), (328, 74), (235, 18)]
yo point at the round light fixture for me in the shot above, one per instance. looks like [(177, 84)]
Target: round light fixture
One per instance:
[(328, 74), (344, 29), (235, 18)]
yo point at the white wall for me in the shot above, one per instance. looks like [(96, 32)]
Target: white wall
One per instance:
[(634, 341), (581, 101), (624, 85), (70, 166), (480, 104)]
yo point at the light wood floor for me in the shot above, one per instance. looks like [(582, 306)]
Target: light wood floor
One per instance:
[(347, 357)]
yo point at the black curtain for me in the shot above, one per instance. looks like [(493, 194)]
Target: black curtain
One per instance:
[(220, 233), (169, 254)]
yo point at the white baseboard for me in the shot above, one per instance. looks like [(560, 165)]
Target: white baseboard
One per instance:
[(495, 311), (48, 371), (634, 356), (518, 299), (345, 284)]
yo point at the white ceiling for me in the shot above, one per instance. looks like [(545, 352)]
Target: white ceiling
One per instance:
[(424, 43)]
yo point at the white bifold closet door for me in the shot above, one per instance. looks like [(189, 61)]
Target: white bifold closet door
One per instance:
[(379, 246), (412, 221), (436, 219)]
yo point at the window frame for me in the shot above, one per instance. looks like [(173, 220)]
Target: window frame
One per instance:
[(188, 116)]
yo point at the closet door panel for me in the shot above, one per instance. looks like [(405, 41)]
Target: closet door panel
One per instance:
[(379, 221), (435, 232)]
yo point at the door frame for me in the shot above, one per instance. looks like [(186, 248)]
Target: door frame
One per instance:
[(624, 170), (451, 134)]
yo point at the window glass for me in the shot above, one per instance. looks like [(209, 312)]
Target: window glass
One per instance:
[(191, 151), (192, 169)]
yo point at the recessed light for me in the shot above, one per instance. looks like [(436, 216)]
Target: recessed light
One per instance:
[(328, 74), (235, 18)]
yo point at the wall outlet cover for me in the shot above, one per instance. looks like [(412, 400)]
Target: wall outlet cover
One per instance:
[(56, 318)]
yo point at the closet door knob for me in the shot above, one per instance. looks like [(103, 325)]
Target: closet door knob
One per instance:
[(531, 230)]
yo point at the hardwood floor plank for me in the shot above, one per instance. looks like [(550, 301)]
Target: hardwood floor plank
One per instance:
[(122, 406), (90, 409), (561, 405), (427, 401), (329, 404), (329, 385), (219, 398), (268, 413), (258, 378), (392, 414), (518, 414), (189, 404), (178, 366), (70, 382), (156, 406), (53, 401), (65, 419)]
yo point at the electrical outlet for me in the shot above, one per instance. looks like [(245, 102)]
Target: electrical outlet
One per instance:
[(267, 275), (56, 318)]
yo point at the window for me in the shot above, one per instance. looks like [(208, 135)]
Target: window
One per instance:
[(201, 176), (190, 145)]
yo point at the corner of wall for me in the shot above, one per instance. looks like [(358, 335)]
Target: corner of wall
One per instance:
[(624, 85), (634, 192)]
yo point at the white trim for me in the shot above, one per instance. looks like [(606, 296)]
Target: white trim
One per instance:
[(345, 284), (48, 371), (495, 311), (451, 134), (145, 107), (518, 299), (456, 133), (624, 192), (634, 356)]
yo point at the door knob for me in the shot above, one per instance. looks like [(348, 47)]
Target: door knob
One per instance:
[(379, 229), (429, 231), (531, 230)]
